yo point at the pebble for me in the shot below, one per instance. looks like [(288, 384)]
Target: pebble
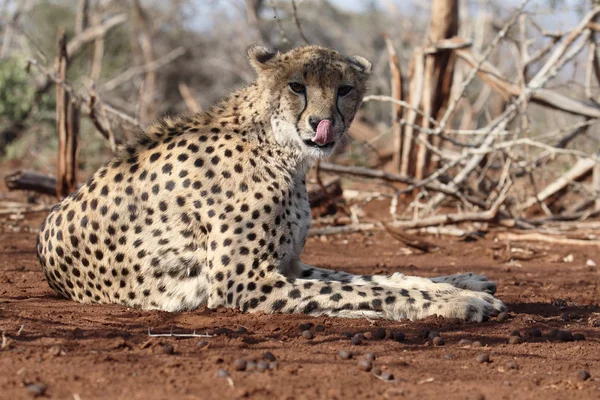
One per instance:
[(345, 355), (379, 333), (515, 333), (370, 356), (514, 340), (565, 316), (583, 375), (221, 373), (387, 376), (320, 328), (240, 365), (476, 343), (376, 371), (465, 342), (578, 336), (55, 351), (305, 327), (399, 336), (367, 335), (202, 343), (564, 336), (438, 341), (273, 365), (534, 332), (356, 339), (432, 335), (365, 365), (269, 356), (168, 349), (307, 334), (483, 358), (513, 365), (262, 366), (503, 316), (37, 389)]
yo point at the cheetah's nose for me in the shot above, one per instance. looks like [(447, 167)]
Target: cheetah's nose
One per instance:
[(324, 132)]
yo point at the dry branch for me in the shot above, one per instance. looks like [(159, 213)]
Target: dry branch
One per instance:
[(581, 168), (540, 237), (30, 180)]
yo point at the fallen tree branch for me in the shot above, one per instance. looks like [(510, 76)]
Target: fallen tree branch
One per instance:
[(540, 237), (30, 180)]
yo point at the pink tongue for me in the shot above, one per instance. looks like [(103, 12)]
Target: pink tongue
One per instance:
[(324, 133)]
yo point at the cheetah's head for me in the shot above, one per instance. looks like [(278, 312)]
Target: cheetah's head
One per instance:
[(313, 93)]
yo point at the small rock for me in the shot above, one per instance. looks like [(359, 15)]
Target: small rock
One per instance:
[(515, 333), (534, 332), (269, 356), (307, 334), (379, 334), (387, 376), (465, 342), (221, 373), (514, 340), (344, 355), (399, 336), (432, 335), (240, 365), (262, 366), (438, 341), (320, 328), (242, 331), (55, 351), (370, 356), (564, 336), (483, 358), (356, 339), (476, 343), (348, 335), (591, 264), (37, 389), (553, 333), (365, 365), (168, 349), (424, 333), (273, 365), (578, 336), (583, 375), (513, 365), (376, 371), (450, 356), (202, 344), (566, 316), (306, 326), (367, 335), (503, 316)]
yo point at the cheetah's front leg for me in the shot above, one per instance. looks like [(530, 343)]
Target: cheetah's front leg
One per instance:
[(469, 281)]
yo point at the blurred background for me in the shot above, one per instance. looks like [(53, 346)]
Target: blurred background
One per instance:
[(453, 67)]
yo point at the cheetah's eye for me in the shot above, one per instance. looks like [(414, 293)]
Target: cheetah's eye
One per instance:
[(297, 87), (344, 90)]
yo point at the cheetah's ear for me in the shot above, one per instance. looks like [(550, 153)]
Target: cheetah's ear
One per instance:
[(361, 64), (259, 56)]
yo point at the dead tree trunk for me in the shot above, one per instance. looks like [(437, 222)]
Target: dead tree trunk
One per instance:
[(67, 126), (396, 83), (430, 85)]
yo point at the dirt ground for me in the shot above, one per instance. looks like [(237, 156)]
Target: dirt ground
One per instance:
[(105, 352)]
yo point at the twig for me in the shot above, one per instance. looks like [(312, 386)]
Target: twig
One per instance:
[(188, 98), (29, 180), (297, 22), (171, 334), (540, 237)]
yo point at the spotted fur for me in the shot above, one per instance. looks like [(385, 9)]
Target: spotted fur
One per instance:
[(212, 209)]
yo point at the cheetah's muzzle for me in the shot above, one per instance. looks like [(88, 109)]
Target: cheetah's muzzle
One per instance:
[(213, 209)]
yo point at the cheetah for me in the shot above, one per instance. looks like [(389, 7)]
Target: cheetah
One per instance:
[(212, 209)]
